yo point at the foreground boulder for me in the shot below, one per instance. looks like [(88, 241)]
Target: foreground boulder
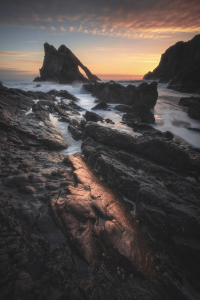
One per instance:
[(180, 66), (63, 66), (144, 94), (193, 104)]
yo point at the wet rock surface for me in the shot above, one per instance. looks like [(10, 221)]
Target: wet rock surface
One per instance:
[(63, 66), (193, 104), (119, 223), (140, 114)]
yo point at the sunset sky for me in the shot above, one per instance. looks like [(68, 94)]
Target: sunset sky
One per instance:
[(113, 38)]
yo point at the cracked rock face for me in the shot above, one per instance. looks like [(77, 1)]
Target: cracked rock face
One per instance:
[(96, 219), (180, 66), (63, 66)]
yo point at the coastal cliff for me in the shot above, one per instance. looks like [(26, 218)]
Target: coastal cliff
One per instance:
[(180, 66), (63, 66)]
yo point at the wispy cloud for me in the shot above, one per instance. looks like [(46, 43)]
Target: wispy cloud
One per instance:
[(62, 28), (13, 70), (127, 18), (18, 54), (52, 28)]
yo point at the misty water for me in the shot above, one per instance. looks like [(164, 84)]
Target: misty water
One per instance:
[(169, 116)]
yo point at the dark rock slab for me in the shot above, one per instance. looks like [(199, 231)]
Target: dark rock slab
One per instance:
[(167, 206), (66, 95), (91, 116), (193, 104), (140, 114), (101, 105), (121, 107), (94, 201), (156, 150)]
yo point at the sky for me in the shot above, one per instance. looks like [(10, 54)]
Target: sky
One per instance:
[(113, 38)]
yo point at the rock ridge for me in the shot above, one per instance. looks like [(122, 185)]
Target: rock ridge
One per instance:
[(180, 67)]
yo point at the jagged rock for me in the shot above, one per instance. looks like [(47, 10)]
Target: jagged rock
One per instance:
[(180, 66), (145, 93), (193, 104), (62, 66), (66, 95), (101, 105), (167, 204), (91, 116), (140, 114), (155, 149)]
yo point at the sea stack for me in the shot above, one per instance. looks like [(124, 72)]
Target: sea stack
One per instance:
[(180, 67), (62, 66)]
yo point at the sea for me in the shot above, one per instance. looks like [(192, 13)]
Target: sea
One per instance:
[(169, 115)]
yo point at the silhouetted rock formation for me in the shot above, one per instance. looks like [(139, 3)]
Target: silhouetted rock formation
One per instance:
[(131, 95), (180, 66), (62, 66)]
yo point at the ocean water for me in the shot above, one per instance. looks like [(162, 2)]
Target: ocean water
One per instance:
[(169, 116)]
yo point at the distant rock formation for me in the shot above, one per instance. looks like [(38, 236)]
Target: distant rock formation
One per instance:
[(145, 93), (63, 66), (180, 66)]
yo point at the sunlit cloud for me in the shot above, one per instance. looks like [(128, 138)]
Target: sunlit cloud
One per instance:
[(130, 19), (13, 70), (18, 54), (62, 28)]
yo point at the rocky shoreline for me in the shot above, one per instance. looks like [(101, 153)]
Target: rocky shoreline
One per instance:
[(119, 221)]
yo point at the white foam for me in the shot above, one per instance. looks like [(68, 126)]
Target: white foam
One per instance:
[(29, 112), (169, 116)]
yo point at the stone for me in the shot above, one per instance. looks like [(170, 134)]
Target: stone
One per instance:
[(155, 149), (91, 116), (131, 95), (193, 104), (63, 66), (101, 105), (180, 66), (140, 114), (121, 107)]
